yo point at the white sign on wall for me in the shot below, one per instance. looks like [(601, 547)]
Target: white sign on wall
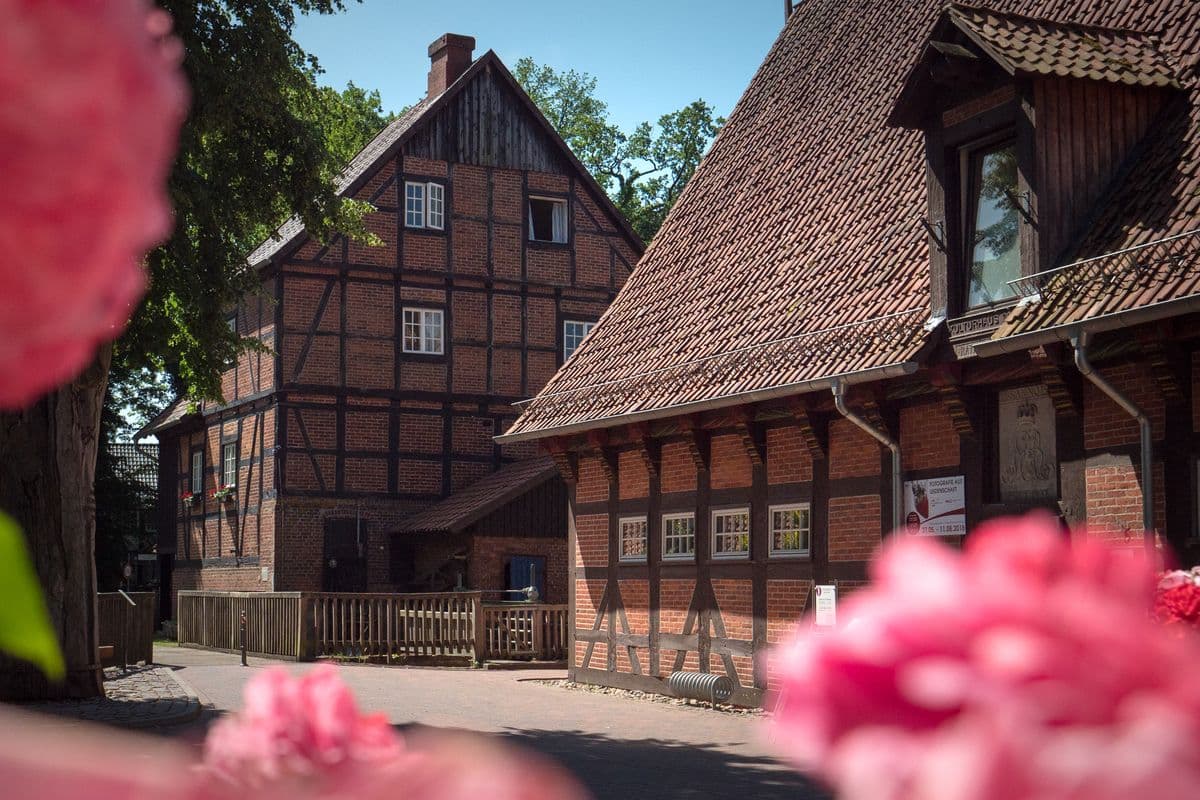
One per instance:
[(936, 506), (825, 604), (1028, 461)]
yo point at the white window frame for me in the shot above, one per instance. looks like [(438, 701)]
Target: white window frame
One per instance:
[(786, 508), (228, 449), (435, 198), (587, 328), (668, 518), (741, 555), (197, 473), (564, 229), (414, 214), (422, 314), (637, 557)]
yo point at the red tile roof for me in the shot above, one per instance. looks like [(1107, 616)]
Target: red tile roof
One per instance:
[(804, 218), (1041, 47), (469, 505)]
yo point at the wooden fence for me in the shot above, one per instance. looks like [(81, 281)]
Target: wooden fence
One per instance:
[(451, 626), (127, 627)]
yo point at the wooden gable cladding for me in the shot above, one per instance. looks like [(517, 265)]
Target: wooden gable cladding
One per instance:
[(486, 123), (1085, 135)]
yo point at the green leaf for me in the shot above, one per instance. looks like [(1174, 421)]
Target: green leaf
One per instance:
[(25, 629)]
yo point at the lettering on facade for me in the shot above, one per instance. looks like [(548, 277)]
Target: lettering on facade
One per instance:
[(1028, 458)]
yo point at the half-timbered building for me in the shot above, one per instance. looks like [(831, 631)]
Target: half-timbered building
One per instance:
[(389, 366), (927, 275)]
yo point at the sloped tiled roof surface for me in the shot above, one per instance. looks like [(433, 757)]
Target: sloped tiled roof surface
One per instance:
[(461, 509), (1040, 47), (358, 166), (805, 217), (169, 416)]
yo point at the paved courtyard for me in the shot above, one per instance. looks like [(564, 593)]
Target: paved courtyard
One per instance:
[(618, 746)]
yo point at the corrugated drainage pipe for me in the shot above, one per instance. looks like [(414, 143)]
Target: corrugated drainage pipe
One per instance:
[(1079, 342), (839, 401)]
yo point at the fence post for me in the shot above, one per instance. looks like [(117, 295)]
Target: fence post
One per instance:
[(480, 646), (306, 634), (539, 638), (389, 606)]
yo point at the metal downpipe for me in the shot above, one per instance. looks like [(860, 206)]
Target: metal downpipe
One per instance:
[(1079, 342), (839, 401)]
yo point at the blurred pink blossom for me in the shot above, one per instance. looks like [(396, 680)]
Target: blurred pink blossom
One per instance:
[(1027, 666), (91, 100), (303, 737)]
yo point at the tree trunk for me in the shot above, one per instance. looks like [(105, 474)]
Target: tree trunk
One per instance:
[(47, 471)]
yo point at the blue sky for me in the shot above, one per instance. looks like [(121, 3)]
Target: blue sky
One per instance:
[(649, 56)]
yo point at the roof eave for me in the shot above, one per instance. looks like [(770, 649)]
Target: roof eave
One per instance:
[(1106, 322), (896, 370)]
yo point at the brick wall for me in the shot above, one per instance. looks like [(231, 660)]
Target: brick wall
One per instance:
[(928, 439), (788, 458), (854, 527), (1114, 499), (635, 594), (1105, 424), (730, 463), (591, 540), (786, 603), (734, 603), (678, 469), (588, 597), (675, 598), (852, 451), (593, 485), (632, 476)]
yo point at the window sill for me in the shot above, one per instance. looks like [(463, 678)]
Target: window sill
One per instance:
[(432, 358), (732, 557), (688, 559), (790, 556), (425, 231), (540, 244)]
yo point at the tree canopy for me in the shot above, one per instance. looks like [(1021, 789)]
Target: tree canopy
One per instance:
[(262, 141), (644, 171)]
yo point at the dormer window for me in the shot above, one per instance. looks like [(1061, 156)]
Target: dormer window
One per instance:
[(993, 232)]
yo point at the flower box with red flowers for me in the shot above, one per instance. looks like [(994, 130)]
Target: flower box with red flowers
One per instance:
[(1177, 598), (224, 494), (187, 498)]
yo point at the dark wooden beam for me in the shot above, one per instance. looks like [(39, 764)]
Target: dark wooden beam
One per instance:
[(947, 383), (1165, 361), (649, 448), (697, 441), (566, 461), (818, 446), (749, 433)]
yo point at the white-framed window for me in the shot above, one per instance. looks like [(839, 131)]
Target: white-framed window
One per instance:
[(547, 219), (731, 533), (198, 472), (632, 538), (424, 205), (231, 321), (679, 536), (414, 204), (791, 527), (423, 331), (435, 208), (573, 332), (229, 464)]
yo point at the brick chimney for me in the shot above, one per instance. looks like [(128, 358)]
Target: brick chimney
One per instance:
[(449, 57)]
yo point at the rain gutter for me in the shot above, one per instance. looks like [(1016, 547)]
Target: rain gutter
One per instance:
[(839, 401), (753, 396), (1079, 342)]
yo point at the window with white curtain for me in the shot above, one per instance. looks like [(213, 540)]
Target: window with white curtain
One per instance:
[(731, 533), (679, 536), (633, 538), (423, 331), (547, 220)]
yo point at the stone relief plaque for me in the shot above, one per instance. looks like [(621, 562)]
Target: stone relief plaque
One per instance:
[(1028, 459)]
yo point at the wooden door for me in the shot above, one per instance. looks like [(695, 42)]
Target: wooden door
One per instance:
[(345, 566)]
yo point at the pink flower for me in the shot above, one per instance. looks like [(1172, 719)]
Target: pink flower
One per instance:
[(1026, 667), (305, 738), (305, 729), (91, 99)]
